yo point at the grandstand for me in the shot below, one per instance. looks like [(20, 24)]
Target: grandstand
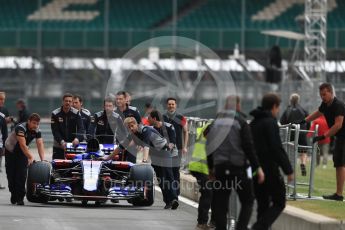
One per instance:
[(85, 24)]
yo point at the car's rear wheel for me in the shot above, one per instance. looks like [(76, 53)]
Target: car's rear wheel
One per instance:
[(38, 173), (141, 176)]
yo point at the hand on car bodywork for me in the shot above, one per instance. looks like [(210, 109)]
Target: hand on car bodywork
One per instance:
[(171, 145), (75, 142)]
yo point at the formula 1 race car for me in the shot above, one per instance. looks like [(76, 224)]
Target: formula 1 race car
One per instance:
[(85, 176)]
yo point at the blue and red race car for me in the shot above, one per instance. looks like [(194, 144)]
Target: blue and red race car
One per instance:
[(85, 176)]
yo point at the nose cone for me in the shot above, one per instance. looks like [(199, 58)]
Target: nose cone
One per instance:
[(91, 170)]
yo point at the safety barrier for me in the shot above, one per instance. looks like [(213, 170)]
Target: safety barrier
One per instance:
[(290, 134)]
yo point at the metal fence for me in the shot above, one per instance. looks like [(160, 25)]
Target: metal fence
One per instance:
[(290, 134)]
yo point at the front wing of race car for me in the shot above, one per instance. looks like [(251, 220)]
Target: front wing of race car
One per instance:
[(94, 175)]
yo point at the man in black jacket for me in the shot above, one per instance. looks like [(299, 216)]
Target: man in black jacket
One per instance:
[(229, 147), (85, 114), (271, 194), (66, 126), (107, 125), (125, 110)]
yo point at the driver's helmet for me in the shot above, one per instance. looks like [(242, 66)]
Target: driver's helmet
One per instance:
[(92, 145)]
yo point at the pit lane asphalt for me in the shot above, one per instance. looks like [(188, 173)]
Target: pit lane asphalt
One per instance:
[(73, 216)]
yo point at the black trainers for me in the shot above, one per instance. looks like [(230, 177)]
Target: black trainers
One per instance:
[(303, 170), (212, 224), (333, 197), (13, 200), (167, 206), (174, 204), (20, 202)]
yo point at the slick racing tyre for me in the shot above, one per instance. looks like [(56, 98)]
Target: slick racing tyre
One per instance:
[(142, 176), (38, 173)]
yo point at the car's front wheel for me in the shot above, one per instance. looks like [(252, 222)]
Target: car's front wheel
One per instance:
[(38, 173), (142, 176)]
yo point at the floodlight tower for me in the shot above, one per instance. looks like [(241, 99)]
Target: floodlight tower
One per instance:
[(315, 41)]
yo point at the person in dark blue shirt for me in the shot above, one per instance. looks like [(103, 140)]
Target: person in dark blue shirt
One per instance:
[(107, 125), (66, 126), (125, 110), (85, 114)]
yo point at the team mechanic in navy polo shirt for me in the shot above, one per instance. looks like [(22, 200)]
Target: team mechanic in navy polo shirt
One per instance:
[(125, 110)]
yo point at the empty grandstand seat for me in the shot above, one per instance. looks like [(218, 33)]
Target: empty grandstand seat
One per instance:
[(217, 23)]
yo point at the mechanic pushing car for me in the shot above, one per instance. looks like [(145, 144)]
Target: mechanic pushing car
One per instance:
[(150, 140), (105, 122), (18, 156), (66, 126), (162, 160)]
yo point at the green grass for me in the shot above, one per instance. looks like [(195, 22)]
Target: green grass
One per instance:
[(324, 180), (324, 183), (333, 209)]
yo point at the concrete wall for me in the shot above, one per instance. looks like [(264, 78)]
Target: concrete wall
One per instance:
[(299, 219)]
